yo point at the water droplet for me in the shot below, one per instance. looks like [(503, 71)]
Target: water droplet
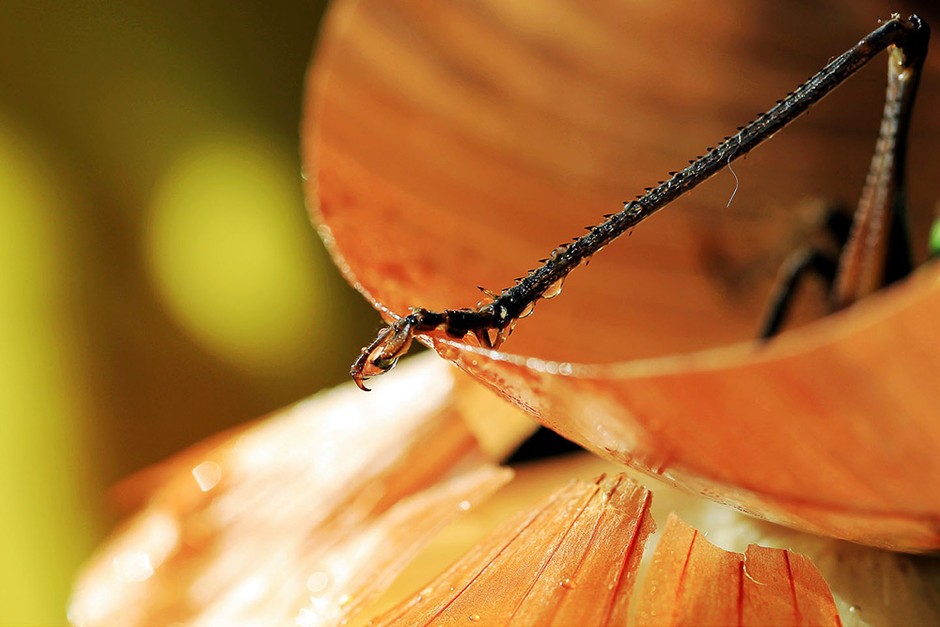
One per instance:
[(503, 334), (854, 608), (344, 600), (464, 505), (534, 363), (554, 289), (474, 618), (207, 475), (318, 582), (558, 252), (486, 300), (568, 584), (447, 351), (133, 566)]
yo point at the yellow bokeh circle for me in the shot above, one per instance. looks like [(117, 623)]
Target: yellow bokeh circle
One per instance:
[(229, 248)]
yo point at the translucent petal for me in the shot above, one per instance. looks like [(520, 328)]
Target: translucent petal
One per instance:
[(692, 582), (570, 561), (305, 517)]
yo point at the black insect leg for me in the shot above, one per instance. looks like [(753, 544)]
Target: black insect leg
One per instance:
[(819, 261), (807, 261), (899, 258), (878, 251)]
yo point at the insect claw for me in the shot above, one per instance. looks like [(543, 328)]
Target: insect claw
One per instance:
[(359, 382), (383, 353), (357, 369)]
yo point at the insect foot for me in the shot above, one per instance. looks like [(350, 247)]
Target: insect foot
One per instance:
[(490, 324), (383, 353)]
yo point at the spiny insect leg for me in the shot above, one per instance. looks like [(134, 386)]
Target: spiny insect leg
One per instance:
[(909, 35)]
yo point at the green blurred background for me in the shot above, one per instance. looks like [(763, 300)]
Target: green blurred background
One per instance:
[(159, 280)]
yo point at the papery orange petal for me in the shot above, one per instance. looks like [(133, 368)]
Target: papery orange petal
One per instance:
[(870, 586), (451, 145), (304, 517), (133, 492), (784, 588), (692, 582), (570, 561), (830, 432)]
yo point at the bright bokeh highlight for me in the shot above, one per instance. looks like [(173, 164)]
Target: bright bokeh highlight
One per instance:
[(229, 252), (47, 524)]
